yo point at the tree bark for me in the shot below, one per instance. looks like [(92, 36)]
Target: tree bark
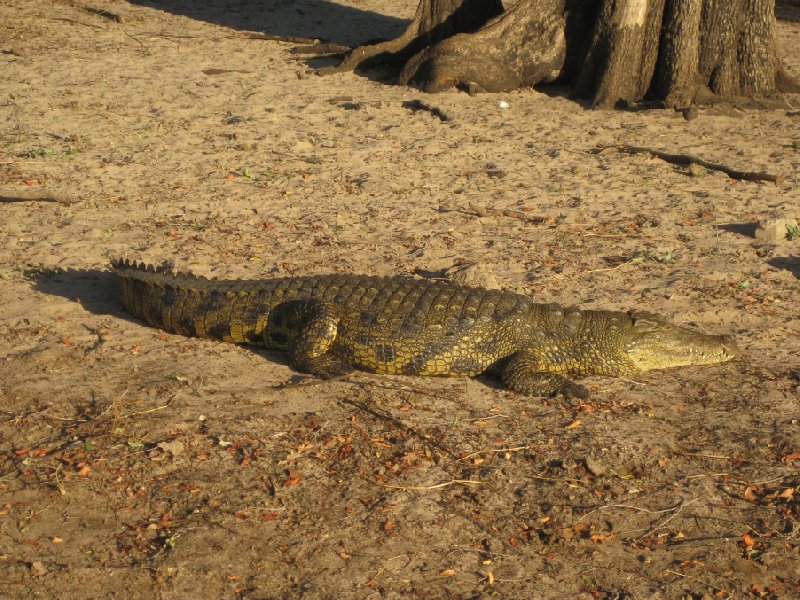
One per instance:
[(435, 20), (674, 52)]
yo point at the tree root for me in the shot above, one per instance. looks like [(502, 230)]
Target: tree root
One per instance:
[(688, 159), (35, 196)]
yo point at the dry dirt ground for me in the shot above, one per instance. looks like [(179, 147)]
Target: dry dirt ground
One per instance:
[(138, 464)]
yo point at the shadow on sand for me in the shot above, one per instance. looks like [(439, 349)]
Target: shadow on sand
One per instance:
[(288, 18)]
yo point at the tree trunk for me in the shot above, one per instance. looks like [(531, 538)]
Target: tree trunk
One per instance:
[(676, 52), (435, 20)]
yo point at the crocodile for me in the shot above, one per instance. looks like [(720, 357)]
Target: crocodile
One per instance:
[(331, 325)]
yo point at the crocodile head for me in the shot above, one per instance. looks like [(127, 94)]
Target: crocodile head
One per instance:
[(653, 343)]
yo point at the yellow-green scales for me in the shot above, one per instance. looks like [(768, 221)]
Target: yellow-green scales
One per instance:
[(332, 324)]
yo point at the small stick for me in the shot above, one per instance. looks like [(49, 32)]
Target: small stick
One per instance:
[(381, 414), (496, 212), (68, 20), (31, 196), (254, 35), (688, 159), (416, 105), (713, 587), (321, 49), (102, 12), (432, 487), (495, 450), (669, 518)]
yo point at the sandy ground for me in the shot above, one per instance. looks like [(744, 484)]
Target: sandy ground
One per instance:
[(139, 464)]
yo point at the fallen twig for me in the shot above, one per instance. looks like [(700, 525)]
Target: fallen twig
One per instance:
[(73, 21), (321, 49), (432, 487), (382, 414), (677, 510), (685, 576), (688, 159), (497, 212), (255, 35), (417, 105), (495, 451), (35, 196), (102, 12), (477, 211)]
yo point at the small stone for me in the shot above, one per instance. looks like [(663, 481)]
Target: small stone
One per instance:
[(594, 466), (697, 170), (38, 568), (476, 275), (774, 230), (691, 113), (174, 447)]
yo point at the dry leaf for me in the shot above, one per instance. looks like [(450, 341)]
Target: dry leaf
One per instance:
[(791, 457), (574, 424), (748, 541), (294, 478), (750, 494)]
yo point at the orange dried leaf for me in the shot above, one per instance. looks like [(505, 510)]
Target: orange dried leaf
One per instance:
[(751, 493), (294, 478), (84, 470), (791, 457), (388, 527), (748, 541), (601, 537)]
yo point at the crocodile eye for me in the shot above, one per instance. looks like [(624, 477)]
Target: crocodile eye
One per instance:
[(645, 321)]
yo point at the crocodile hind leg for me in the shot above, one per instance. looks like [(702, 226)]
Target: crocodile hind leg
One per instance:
[(307, 329), (523, 373)]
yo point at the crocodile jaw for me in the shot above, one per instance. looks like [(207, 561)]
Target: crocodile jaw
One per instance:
[(654, 343)]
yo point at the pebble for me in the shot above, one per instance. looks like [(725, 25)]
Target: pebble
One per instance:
[(594, 466)]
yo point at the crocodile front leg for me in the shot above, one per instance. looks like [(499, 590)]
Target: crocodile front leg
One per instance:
[(524, 374), (307, 329)]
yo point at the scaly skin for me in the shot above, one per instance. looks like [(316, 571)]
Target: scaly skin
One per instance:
[(332, 324)]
